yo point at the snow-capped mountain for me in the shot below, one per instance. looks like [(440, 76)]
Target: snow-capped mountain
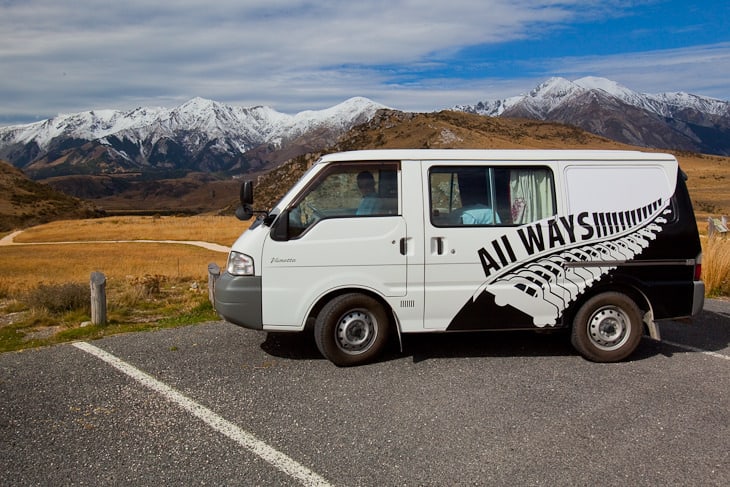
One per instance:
[(204, 135), (679, 121), (199, 135)]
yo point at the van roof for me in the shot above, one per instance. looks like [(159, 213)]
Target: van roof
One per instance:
[(496, 155)]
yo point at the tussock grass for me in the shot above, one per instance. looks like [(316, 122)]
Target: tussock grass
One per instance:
[(24, 266), (54, 313), (149, 285), (716, 266)]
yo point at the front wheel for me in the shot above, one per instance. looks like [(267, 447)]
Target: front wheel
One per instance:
[(351, 329), (607, 328)]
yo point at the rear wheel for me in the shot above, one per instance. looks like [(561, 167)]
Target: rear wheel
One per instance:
[(351, 329), (607, 328)]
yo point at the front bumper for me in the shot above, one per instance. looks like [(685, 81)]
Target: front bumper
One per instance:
[(238, 300)]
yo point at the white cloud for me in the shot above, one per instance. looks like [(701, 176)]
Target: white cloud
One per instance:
[(702, 70), (290, 54)]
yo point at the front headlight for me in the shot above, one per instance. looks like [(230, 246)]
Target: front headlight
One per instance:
[(239, 264)]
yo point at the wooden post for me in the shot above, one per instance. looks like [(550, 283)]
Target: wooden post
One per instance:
[(717, 226), (214, 272), (98, 298)]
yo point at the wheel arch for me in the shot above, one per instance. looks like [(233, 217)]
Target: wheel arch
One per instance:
[(626, 287), (322, 300)]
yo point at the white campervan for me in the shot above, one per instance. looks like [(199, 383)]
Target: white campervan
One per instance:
[(368, 243)]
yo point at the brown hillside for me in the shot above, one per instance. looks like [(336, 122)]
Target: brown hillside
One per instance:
[(708, 175), (127, 193), (24, 202), (202, 192), (458, 130)]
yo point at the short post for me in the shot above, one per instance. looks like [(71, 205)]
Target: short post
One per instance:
[(214, 272), (717, 226), (98, 298)]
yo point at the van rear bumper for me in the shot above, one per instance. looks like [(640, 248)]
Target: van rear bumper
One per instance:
[(698, 300), (238, 300)]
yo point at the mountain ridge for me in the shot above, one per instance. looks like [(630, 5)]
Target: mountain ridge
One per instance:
[(200, 135), (678, 121), (205, 136)]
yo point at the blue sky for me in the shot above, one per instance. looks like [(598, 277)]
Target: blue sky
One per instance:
[(63, 56)]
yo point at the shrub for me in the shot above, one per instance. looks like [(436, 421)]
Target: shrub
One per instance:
[(59, 298)]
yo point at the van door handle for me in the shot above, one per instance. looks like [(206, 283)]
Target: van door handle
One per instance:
[(403, 248), (437, 245)]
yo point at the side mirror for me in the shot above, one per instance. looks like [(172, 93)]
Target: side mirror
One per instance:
[(245, 211), (246, 195)]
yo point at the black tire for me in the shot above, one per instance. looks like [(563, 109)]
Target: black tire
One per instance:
[(607, 328), (351, 329)]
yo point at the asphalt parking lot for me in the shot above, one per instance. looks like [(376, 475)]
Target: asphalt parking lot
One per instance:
[(215, 404)]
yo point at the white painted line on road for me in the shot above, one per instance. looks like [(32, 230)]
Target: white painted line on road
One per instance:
[(243, 438), (695, 349)]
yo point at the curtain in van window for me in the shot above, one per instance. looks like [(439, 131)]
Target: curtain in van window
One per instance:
[(531, 195)]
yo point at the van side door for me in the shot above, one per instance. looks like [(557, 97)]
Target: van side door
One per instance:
[(485, 222)]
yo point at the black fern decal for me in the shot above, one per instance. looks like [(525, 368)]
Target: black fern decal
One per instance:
[(544, 286)]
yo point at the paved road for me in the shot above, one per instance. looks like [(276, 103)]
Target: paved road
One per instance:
[(219, 405)]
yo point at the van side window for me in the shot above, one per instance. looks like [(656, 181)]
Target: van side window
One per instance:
[(347, 190), (490, 196)]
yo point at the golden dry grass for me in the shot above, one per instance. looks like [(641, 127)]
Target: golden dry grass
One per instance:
[(709, 185), (24, 266), (148, 284), (716, 265), (222, 230)]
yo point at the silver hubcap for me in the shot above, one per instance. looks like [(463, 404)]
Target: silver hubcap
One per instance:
[(356, 331), (609, 328)]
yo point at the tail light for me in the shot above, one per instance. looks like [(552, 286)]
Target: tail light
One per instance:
[(698, 267)]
